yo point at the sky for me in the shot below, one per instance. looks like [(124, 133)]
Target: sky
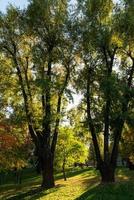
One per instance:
[(18, 3)]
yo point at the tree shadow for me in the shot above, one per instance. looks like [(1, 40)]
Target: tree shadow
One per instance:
[(22, 191), (76, 172), (116, 191), (124, 174), (35, 193), (121, 190)]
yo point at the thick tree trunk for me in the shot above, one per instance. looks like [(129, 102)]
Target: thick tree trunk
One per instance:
[(47, 173), (45, 165), (107, 174)]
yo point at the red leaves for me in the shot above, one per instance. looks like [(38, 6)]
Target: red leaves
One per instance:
[(7, 141)]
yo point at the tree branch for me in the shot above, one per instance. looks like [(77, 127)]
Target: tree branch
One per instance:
[(54, 141), (108, 106), (121, 119), (90, 121)]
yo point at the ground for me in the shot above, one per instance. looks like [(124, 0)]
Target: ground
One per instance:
[(81, 184)]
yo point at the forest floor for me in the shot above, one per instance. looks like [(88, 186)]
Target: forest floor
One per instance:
[(83, 184)]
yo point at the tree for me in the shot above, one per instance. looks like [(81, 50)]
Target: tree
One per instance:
[(38, 47), (69, 149), (15, 151), (127, 141), (108, 86)]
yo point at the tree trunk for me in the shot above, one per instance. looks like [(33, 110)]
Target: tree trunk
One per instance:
[(107, 174), (63, 170), (47, 173)]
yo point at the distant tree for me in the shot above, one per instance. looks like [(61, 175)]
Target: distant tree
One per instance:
[(69, 150), (127, 145)]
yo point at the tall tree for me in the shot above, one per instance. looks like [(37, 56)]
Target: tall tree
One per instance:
[(39, 49), (107, 97)]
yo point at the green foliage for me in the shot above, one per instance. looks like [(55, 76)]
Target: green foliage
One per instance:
[(107, 58), (127, 141), (70, 149)]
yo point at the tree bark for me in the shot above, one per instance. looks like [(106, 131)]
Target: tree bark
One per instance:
[(63, 170), (47, 175), (109, 59), (47, 172), (90, 121), (56, 130), (121, 119), (107, 174)]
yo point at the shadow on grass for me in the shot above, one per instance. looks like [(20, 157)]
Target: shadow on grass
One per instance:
[(38, 192), (75, 172), (30, 186), (90, 180), (35, 193), (124, 174), (116, 191), (11, 189), (22, 195)]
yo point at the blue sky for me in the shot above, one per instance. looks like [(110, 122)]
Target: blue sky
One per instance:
[(18, 3)]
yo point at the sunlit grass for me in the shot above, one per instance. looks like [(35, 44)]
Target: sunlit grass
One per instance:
[(81, 184)]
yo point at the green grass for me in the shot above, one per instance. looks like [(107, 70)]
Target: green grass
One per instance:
[(81, 184)]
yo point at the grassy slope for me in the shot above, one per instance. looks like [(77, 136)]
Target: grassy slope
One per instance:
[(83, 184)]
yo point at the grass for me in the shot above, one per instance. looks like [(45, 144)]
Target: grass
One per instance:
[(81, 185)]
